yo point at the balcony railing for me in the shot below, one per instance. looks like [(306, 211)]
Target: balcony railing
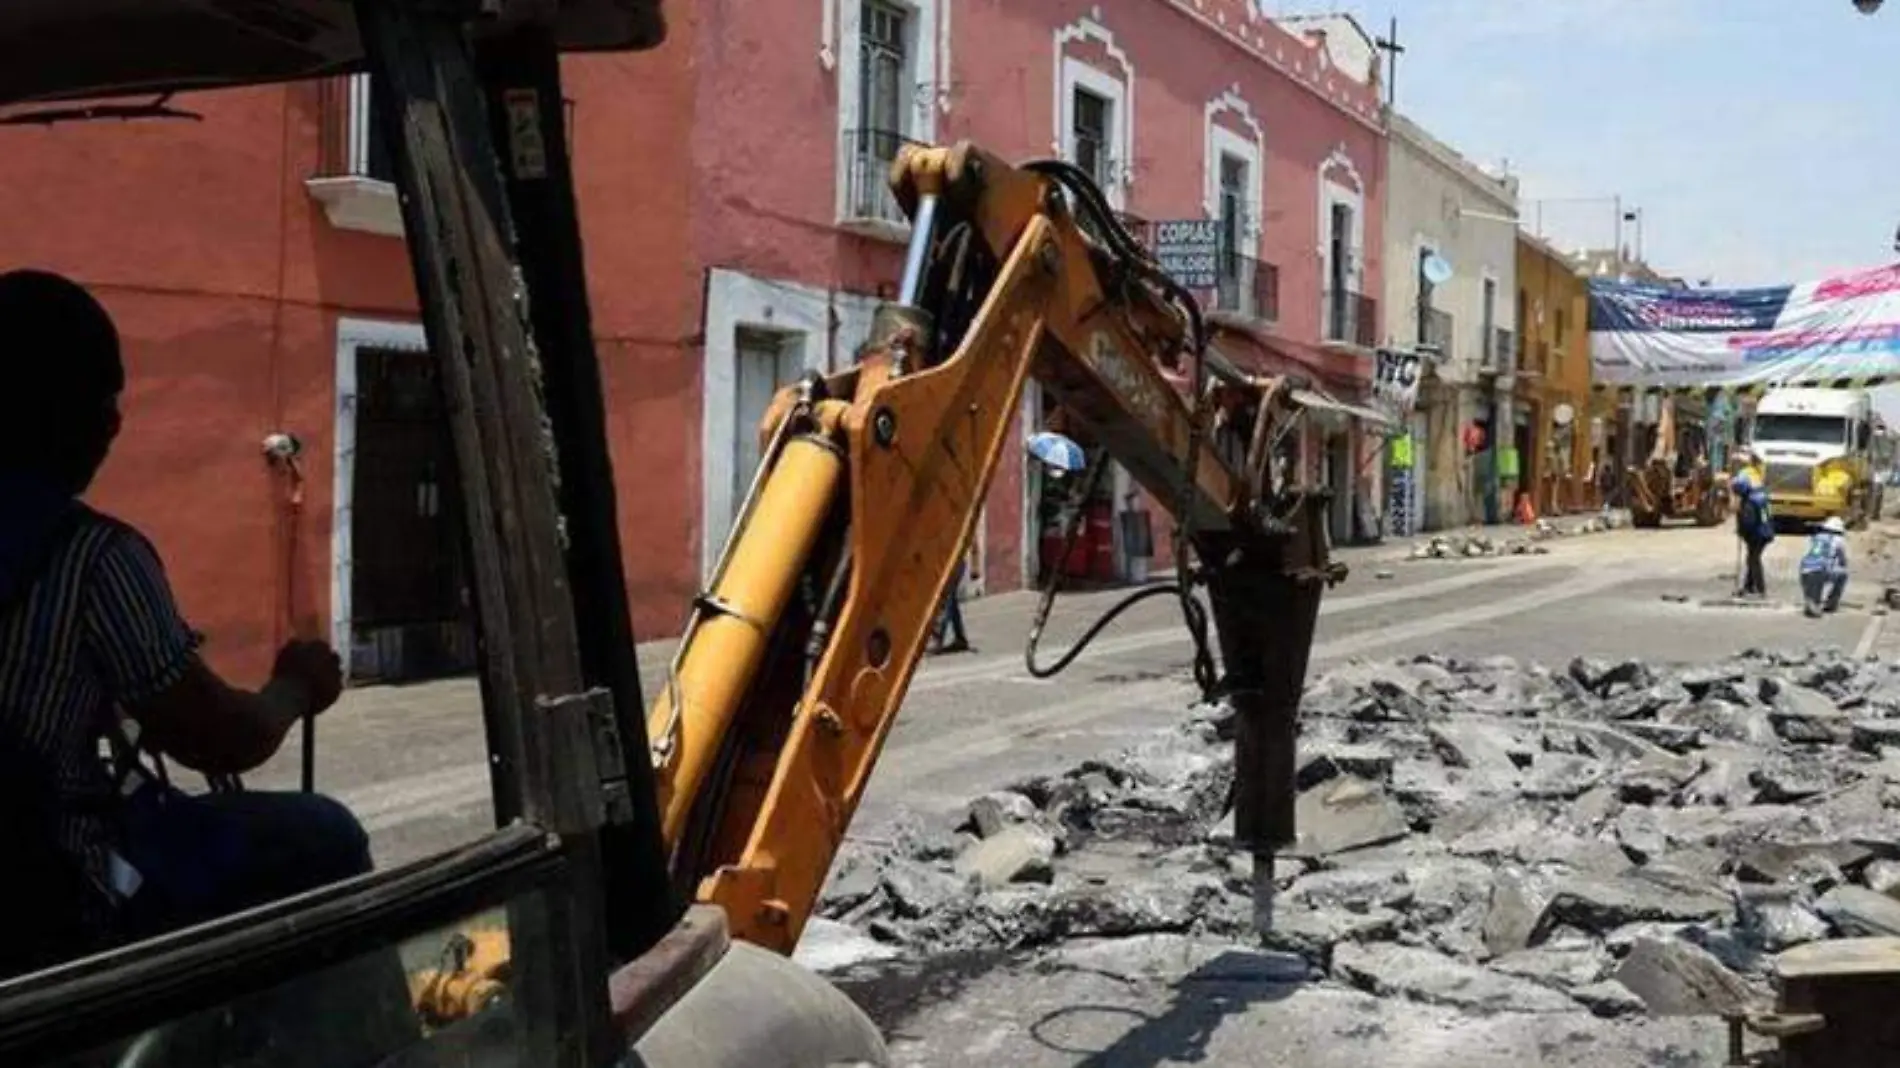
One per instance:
[(1142, 230), (1435, 329), (867, 171), (1533, 359), (350, 144), (1248, 287), (1502, 348), (1352, 318)]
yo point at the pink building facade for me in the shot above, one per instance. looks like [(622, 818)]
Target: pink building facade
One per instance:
[(1184, 109), (738, 234)]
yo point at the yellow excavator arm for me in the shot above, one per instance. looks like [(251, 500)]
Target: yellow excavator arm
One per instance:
[(792, 668)]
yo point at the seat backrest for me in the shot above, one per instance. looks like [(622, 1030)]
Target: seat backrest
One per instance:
[(45, 920), (49, 923)]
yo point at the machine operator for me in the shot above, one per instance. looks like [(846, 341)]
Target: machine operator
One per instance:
[(91, 637)]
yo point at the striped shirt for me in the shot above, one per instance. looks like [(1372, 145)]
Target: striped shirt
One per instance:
[(97, 633)]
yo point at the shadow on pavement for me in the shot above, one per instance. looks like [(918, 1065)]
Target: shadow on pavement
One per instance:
[(1225, 986)]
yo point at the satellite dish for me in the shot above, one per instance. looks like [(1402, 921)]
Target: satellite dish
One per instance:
[(1437, 269), (1563, 414)]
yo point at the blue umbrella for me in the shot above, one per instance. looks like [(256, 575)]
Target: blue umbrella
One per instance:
[(1057, 452)]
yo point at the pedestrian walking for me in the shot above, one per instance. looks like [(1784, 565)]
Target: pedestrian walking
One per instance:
[(1754, 525), (950, 618), (1824, 569)]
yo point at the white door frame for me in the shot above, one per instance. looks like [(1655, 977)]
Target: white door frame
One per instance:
[(351, 335), (735, 299)]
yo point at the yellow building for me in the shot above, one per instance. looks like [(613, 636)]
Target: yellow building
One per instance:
[(1553, 378)]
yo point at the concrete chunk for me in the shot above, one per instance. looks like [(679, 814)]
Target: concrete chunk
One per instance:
[(1370, 762), (829, 946), (1345, 813), (1858, 912), (1312, 933), (1355, 888), (1423, 975), (993, 812), (1785, 781), (1775, 918), (1806, 716), (1675, 737), (1775, 862), (1882, 876), (1869, 735), (1656, 775), (1021, 852), (1640, 834), (916, 891), (1674, 978), (1560, 777), (1600, 904), (1609, 998), (1518, 901), (1561, 966), (1483, 748)]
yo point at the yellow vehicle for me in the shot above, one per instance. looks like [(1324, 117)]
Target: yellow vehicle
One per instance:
[(1817, 447), (648, 874), (1677, 482)]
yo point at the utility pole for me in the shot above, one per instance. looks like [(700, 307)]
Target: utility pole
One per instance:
[(1619, 237), (1389, 44)]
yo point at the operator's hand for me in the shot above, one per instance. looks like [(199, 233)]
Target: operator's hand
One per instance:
[(314, 669)]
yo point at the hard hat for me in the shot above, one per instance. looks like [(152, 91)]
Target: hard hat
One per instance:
[(1834, 525)]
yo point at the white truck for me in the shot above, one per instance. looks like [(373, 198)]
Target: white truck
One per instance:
[(1816, 447)]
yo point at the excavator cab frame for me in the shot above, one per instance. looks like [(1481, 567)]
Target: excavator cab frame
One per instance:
[(651, 873), (469, 96)]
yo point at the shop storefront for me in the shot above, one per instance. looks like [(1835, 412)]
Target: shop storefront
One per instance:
[(1343, 443), (1114, 540)]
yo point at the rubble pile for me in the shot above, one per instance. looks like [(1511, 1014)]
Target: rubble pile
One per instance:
[(1611, 837), (1477, 544)]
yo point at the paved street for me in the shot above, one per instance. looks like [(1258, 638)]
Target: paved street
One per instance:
[(409, 760)]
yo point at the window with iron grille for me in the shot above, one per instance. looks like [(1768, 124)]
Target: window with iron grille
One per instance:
[(1489, 323), (1089, 131), (884, 89), (1233, 204)]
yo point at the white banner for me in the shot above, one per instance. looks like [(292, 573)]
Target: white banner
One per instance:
[(1842, 329)]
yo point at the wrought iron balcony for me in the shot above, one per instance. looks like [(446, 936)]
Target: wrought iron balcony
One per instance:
[(1503, 349), (350, 144), (1533, 359), (1435, 328), (1352, 318), (1248, 287), (866, 163)]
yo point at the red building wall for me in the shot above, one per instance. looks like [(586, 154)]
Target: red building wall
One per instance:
[(226, 282)]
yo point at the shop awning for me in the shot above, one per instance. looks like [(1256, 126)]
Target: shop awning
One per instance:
[(1260, 351), (1321, 400)]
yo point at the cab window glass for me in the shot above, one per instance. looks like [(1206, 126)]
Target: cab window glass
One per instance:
[(446, 997)]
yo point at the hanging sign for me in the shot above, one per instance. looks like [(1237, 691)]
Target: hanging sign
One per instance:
[(1189, 250), (1395, 379)]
